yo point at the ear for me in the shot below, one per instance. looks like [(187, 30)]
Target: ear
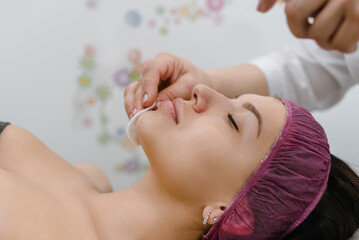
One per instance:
[(214, 211)]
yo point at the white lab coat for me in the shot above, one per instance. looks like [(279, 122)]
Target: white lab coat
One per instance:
[(308, 75)]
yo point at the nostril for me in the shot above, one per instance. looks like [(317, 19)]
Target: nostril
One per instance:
[(195, 97)]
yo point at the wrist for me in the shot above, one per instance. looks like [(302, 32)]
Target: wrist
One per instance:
[(212, 79)]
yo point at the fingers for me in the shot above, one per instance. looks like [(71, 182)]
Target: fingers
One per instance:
[(335, 25), (265, 5), (137, 104), (326, 23), (345, 40), (298, 12), (155, 72), (150, 76), (164, 67), (347, 37), (129, 96)]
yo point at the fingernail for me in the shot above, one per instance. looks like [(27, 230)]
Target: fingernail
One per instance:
[(145, 97)]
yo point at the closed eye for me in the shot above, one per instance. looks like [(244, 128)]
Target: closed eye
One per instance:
[(232, 121)]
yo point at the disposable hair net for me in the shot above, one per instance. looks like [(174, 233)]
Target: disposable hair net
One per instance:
[(285, 187)]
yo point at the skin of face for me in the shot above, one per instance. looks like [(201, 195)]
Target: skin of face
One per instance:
[(203, 158)]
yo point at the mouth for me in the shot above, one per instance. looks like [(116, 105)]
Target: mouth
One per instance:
[(173, 109)]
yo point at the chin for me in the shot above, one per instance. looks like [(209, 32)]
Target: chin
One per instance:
[(144, 129), (149, 130)]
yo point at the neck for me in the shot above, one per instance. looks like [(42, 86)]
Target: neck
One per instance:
[(145, 211)]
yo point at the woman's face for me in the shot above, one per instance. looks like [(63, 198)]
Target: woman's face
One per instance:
[(208, 147)]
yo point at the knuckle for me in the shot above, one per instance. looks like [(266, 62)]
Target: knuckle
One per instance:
[(295, 20), (340, 47), (349, 48), (126, 91), (165, 58), (147, 65), (354, 17), (162, 55), (324, 45), (129, 88), (335, 44), (138, 92), (315, 34), (128, 108), (290, 11), (298, 31), (343, 3), (345, 50), (171, 63)]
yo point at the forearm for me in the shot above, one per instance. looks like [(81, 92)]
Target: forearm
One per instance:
[(238, 80)]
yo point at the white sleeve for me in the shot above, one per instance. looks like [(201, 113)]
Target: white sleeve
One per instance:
[(306, 74)]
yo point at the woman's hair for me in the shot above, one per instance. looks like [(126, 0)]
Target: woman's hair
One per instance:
[(336, 216)]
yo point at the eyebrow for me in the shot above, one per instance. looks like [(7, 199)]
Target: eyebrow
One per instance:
[(249, 106)]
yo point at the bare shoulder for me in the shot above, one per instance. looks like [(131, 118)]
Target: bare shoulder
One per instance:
[(21, 151), (95, 175)]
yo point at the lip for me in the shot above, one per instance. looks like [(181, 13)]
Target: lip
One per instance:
[(178, 105), (173, 108), (170, 109)]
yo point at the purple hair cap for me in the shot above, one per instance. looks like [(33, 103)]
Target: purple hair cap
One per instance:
[(285, 188)]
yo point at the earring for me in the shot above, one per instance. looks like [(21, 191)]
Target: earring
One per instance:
[(215, 219), (206, 219)]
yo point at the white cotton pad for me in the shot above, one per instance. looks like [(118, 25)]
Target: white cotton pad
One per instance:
[(131, 127)]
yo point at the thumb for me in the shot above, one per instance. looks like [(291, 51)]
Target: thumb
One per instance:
[(265, 5)]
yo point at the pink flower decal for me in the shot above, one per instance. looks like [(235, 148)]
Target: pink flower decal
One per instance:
[(215, 5)]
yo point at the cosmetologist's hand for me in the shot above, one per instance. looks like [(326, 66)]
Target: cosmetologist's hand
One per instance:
[(333, 24), (164, 77)]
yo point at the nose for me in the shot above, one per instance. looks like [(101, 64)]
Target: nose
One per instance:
[(203, 97)]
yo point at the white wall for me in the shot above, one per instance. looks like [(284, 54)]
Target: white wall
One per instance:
[(42, 43)]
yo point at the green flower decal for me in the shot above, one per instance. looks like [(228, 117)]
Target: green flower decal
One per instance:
[(103, 92), (87, 63)]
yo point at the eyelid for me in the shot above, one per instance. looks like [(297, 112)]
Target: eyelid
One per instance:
[(232, 120), (251, 107)]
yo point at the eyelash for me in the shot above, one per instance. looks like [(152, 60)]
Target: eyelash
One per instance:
[(230, 117)]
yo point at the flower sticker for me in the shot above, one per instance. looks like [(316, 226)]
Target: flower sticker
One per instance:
[(215, 5), (133, 18)]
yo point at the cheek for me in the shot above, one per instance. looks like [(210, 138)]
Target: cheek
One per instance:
[(199, 163), (187, 159), (193, 162)]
